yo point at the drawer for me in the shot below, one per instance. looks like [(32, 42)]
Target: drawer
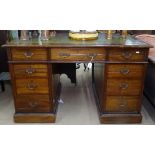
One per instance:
[(30, 70), (76, 54), (35, 103), (32, 86), (25, 54), (122, 104), (127, 55), (124, 87), (125, 70)]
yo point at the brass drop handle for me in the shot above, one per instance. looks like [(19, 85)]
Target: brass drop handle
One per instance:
[(123, 85), (64, 55), (127, 55), (124, 71), (92, 55), (28, 54), (30, 70), (33, 104), (123, 104), (31, 86)]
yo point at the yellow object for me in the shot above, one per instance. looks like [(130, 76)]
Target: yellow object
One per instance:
[(109, 34), (124, 33), (83, 35)]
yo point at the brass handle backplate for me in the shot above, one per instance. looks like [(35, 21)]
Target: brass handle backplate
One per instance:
[(64, 55), (33, 104), (31, 86), (30, 70), (123, 105), (28, 54), (124, 71), (127, 55), (92, 55), (124, 85)]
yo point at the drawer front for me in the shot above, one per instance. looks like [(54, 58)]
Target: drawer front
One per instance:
[(29, 54), (32, 86), (76, 54), (124, 87), (125, 70), (30, 70), (122, 104), (127, 55), (35, 103)]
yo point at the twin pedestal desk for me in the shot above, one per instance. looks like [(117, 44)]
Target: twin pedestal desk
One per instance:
[(118, 74)]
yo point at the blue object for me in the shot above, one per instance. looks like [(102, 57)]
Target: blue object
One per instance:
[(14, 34)]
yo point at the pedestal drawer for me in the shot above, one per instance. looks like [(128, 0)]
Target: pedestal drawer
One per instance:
[(30, 70), (124, 87), (122, 104), (32, 86), (29, 54), (33, 103), (127, 55), (125, 70), (78, 54)]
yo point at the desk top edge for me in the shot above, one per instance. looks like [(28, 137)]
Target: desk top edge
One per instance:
[(62, 40)]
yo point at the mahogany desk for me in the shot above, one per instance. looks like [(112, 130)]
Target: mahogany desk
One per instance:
[(118, 74)]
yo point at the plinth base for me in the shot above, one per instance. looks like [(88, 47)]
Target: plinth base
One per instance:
[(34, 118), (120, 118)]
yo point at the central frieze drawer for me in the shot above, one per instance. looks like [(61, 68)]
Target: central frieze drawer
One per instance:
[(33, 103), (25, 54), (30, 70), (77, 54), (125, 70), (122, 104), (124, 87), (32, 86)]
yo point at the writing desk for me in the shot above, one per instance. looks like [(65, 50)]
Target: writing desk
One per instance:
[(118, 73)]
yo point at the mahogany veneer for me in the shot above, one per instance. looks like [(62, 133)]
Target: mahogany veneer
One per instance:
[(117, 76)]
